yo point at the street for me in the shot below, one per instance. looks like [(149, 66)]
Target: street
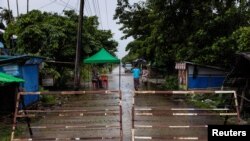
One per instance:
[(97, 115)]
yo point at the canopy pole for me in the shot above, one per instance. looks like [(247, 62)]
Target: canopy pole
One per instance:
[(90, 78), (119, 76)]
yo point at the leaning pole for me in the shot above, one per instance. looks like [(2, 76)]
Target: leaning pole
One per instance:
[(78, 48)]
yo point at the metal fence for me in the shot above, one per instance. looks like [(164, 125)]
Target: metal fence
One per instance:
[(76, 115), (171, 115)]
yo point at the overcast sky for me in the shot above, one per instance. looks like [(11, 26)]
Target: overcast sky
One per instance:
[(104, 9)]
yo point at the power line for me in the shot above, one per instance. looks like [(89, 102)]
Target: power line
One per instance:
[(87, 11), (89, 7), (76, 7), (98, 8), (100, 17), (66, 5), (47, 4), (95, 8), (107, 13), (97, 11)]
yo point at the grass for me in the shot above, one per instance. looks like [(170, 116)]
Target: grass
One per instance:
[(208, 101), (5, 125), (6, 122), (48, 99), (5, 131)]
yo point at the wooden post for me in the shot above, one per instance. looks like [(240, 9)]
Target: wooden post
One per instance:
[(15, 116), (242, 97), (120, 109), (27, 118)]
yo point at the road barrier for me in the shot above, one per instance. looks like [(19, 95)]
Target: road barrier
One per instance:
[(158, 119), (76, 117)]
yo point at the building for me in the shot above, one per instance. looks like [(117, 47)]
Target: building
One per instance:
[(196, 76), (25, 67)]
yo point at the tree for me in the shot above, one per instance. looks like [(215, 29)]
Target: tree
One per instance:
[(170, 31), (53, 36), (6, 16)]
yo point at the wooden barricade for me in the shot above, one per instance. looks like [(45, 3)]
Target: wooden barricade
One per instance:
[(170, 115), (86, 115)]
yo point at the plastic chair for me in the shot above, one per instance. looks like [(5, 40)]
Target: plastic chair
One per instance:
[(104, 79)]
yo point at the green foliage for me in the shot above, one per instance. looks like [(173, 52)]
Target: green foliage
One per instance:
[(171, 82), (54, 36), (86, 72), (5, 131), (210, 101), (7, 16), (48, 99), (166, 31), (242, 38)]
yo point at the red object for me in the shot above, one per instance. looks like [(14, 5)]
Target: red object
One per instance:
[(104, 79)]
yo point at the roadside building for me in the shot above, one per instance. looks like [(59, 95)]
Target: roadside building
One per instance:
[(196, 76), (24, 67)]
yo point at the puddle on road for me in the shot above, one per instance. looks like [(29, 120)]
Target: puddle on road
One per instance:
[(89, 102)]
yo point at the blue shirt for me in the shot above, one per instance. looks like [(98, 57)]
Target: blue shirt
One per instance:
[(136, 72)]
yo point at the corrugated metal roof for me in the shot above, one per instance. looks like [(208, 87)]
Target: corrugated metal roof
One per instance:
[(11, 59), (182, 65)]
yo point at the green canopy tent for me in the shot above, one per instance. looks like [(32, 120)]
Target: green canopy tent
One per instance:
[(9, 86), (101, 57), (5, 78)]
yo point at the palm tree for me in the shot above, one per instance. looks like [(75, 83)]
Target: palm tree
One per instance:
[(6, 15)]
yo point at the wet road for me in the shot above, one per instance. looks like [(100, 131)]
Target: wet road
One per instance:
[(166, 125), (108, 102), (127, 94), (75, 125)]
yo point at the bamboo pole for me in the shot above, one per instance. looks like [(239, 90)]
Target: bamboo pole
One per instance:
[(71, 92)]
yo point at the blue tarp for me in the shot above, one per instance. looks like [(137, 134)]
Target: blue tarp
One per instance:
[(202, 82)]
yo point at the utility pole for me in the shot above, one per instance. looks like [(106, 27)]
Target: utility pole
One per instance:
[(17, 9), (9, 10), (8, 4), (78, 48), (27, 6)]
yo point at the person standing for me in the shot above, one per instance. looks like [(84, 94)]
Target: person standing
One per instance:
[(96, 78), (136, 76), (145, 74)]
